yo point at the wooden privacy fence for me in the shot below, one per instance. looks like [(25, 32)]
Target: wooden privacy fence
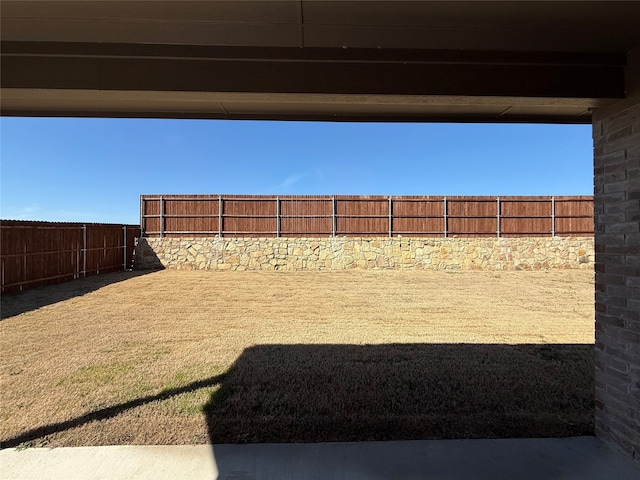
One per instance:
[(309, 216), (40, 253)]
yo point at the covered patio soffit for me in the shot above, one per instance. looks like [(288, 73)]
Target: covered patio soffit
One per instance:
[(316, 60)]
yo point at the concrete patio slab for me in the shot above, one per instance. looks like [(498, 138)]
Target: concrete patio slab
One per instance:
[(577, 458)]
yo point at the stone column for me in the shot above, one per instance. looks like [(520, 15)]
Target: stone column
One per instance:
[(616, 135)]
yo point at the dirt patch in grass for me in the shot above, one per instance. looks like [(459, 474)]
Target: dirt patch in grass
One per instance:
[(178, 357)]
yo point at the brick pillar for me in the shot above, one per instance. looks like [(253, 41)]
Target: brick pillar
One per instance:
[(616, 135)]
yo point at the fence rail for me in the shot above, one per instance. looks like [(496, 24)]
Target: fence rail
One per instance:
[(41, 253), (260, 215)]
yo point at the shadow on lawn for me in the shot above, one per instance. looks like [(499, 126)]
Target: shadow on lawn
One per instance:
[(21, 302), (104, 413), (326, 393)]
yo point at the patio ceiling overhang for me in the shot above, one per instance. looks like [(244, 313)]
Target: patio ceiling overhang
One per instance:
[(316, 60)]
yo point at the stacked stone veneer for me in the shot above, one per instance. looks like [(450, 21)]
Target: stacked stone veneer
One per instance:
[(339, 253), (616, 134)]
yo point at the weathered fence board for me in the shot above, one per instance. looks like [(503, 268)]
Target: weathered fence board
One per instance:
[(42, 253), (374, 215)]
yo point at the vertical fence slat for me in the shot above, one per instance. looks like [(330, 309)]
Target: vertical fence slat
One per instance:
[(124, 247), (161, 227), (220, 215), (77, 268), (142, 219), (277, 216), (553, 216), (444, 218), (333, 216), (24, 271), (390, 218), (498, 216), (84, 250)]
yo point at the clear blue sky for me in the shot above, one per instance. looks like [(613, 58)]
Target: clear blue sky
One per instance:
[(94, 170)]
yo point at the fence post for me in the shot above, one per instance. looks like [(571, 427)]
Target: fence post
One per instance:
[(390, 218), (220, 216), (76, 274), (445, 217), (161, 216), (124, 234), (553, 216), (141, 217), (277, 216), (333, 216), (498, 215), (84, 250), (24, 265)]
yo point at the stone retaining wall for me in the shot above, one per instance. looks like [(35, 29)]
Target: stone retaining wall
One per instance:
[(338, 253)]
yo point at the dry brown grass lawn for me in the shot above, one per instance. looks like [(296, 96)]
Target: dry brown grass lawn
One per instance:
[(175, 357)]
